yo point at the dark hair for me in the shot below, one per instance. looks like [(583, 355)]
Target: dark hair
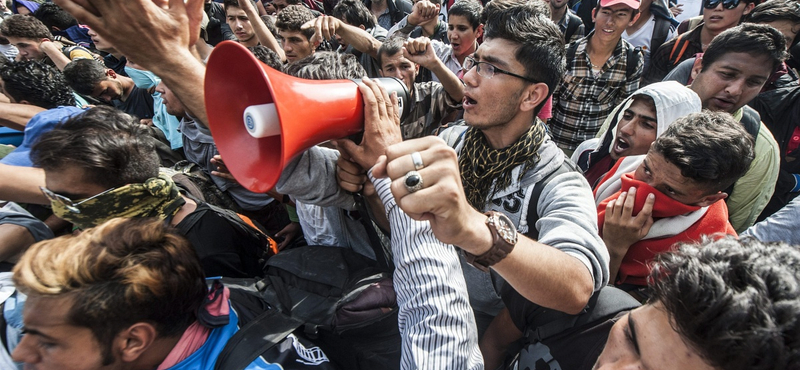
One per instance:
[(52, 15), (24, 26), (710, 148), (230, 3), (111, 146), (736, 302), (293, 17), (37, 83), (541, 44), (125, 271), (267, 56), (270, 23), (354, 13), (469, 9), (753, 39), (774, 11), (633, 12), (390, 46), (327, 65), (83, 75)]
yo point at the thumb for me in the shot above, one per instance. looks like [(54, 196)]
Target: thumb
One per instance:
[(379, 170)]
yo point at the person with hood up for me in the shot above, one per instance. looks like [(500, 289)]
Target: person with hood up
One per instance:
[(633, 126)]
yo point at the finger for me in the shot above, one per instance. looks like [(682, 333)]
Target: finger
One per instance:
[(610, 209), (619, 203), (393, 109), (370, 101), (646, 213), (223, 175), (630, 202), (398, 167), (381, 97), (350, 167), (379, 169)]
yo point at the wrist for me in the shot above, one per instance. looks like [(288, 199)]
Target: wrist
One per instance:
[(478, 240)]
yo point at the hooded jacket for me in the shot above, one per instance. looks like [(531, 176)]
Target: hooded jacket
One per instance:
[(672, 101)]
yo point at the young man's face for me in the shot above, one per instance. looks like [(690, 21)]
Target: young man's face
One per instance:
[(240, 24), (71, 182), (52, 342), (399, 67), (666, 177), (279, 5), (611, 21), (558, 4), (719, 18), (295, 44), (108, 90), (645, 339), (494, 102), (788, 28), (101, 43), (461, 35), (732, 81), (28, 48), (636, 129), (3, 91)]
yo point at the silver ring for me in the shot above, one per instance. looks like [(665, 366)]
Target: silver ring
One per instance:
[(412, 181), (417, 159)]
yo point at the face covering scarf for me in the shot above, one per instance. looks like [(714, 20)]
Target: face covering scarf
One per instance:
[(156, 197)]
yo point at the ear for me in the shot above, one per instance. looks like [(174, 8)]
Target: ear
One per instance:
[(696, 67), (594, 20), (134, 341), (749, 8), (479, 31), (361, 26), (533, 95), (711, 199), (416, 70), (111, 74), (634, 19)]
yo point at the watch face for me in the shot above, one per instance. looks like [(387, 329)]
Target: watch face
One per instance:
[(505, 228)]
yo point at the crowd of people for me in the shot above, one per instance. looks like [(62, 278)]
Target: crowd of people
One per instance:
[(587, 184)]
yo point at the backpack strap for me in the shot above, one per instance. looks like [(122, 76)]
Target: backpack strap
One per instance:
[(680, 43), (255, 338), (533, 214), (572, 25), (634, 55), (383, 257), (571, 50), (660, 33)]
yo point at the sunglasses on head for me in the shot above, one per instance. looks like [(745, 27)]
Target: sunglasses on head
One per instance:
[(727, 4)]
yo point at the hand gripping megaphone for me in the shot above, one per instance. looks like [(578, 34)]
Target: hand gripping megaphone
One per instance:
[(261, 118)]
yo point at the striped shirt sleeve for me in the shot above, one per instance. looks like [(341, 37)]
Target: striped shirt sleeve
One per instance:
[(436, 322)]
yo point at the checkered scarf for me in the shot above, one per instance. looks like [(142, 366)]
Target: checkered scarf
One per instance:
[(481, 165)]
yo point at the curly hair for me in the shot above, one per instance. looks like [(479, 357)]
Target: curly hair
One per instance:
[(293, 17), (117, 274), (37, 83), (327, 65), (109, 145), (83, 75), (736, 302), (710, 148), (23, 26)]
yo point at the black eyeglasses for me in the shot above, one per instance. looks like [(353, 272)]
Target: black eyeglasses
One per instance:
[(66, 202), (488, 70), (727, 4)]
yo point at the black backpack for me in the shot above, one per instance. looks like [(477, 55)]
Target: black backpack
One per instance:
[(342, 301)]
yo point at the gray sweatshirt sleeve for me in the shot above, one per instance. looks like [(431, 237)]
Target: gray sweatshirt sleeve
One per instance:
[(311, 178)]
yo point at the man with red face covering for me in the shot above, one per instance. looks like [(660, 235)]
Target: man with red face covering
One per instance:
[(672, 194)]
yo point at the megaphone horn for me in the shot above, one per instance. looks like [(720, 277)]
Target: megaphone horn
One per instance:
[(261, 118)]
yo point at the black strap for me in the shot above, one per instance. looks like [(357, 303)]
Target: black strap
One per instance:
[(255, 338), (3, 329), (533, 214), (381, 255), (572, 25), (571, 50), (634, 56), (660, 33)]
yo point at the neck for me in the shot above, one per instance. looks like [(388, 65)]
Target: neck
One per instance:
[(644, 17), (185, 210), (468, 52), (557, 14), (127, 86), (601, 46), (503, 136), (706, 36), (379, 5), (157, 352), (252, 41)]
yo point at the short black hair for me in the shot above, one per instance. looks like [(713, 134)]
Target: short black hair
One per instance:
[(230, 3), (267, 56), (110, 145), (354, 13), (23, 26), (710, 148), (753, 39), (83, 75), (776, 10), (469, 9), (633, 13), (293, 17), (389, 47), (52, 15), (37, 83), (327, 65), (736, 302), (541, 44)]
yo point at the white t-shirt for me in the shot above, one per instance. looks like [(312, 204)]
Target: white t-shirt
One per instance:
[(643, 36)]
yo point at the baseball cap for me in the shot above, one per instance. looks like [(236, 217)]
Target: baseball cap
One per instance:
[(631, 3)]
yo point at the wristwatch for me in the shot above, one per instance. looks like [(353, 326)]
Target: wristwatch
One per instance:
[(504, 238)]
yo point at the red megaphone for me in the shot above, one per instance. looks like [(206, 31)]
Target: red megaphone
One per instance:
[(261, 118)]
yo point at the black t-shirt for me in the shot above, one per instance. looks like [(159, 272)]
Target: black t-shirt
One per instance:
[(223, 249), (139, 104)]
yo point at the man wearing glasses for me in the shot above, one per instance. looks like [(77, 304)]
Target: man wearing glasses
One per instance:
[(718, 16)]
